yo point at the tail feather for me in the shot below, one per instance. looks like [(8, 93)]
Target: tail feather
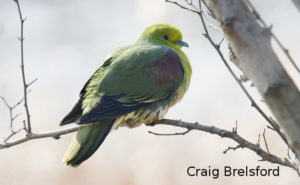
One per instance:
[(87, 141)]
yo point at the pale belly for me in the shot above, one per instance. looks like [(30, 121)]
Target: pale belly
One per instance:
[(149, 114), (146, 115)]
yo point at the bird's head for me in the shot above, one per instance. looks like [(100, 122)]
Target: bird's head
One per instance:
[(164, 34)]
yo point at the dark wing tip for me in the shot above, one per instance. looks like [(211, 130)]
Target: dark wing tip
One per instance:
[(65, 121), (73, 115)]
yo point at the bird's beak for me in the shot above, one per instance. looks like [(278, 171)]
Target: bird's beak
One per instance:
[(182, 43)]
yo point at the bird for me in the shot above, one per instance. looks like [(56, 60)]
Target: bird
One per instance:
[(136, 84)]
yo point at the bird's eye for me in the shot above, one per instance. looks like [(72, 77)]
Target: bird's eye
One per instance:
[(166, 37)]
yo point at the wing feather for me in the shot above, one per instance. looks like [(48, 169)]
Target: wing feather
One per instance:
[(133, 81), (77, 110)]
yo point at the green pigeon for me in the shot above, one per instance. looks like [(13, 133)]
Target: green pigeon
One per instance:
[(136, 84)]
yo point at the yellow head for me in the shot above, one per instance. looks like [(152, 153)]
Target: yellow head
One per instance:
[(163, 34)]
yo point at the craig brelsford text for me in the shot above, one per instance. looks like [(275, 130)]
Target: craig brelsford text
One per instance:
[(229, 171)]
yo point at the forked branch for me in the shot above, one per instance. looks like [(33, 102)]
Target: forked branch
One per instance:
[(25, 85)]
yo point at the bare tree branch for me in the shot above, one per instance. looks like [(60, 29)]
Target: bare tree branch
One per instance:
[(273, 124), (13, 133), (253, 102), (265, 141), (31, 136), (232, 148), (25, 85), (12, 117), (30, 83), (170, 134), (251, 44), (242, 143), (217, 48), (183, 7)]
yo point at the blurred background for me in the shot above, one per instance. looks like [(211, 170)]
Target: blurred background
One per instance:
[(66, 40)]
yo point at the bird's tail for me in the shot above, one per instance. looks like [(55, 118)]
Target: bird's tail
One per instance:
[(88, 139)]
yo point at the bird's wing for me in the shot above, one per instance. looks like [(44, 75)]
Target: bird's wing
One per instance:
[(137, 77), (77, 111)]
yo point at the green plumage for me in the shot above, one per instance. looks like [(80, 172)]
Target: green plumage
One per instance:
[(136, 84), (86, 142)]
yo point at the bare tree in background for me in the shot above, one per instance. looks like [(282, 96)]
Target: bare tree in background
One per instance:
[(249, 39), (250, 42)]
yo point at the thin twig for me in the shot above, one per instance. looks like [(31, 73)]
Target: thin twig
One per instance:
[(11, 117), (10, 108), (190, 3), (265, 141), (286, 51), (5, 102), (12, 134), (19, 102), (183, 7), (211, 25), (16, 116), (258, 140), (234, 129), (25, 85), (170, 134), (232, 148), (30, 83), (276, 128)]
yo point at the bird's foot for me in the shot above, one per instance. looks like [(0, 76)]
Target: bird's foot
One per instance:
[(153, 123)]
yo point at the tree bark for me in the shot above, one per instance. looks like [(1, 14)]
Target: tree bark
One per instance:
[(251, 45)]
